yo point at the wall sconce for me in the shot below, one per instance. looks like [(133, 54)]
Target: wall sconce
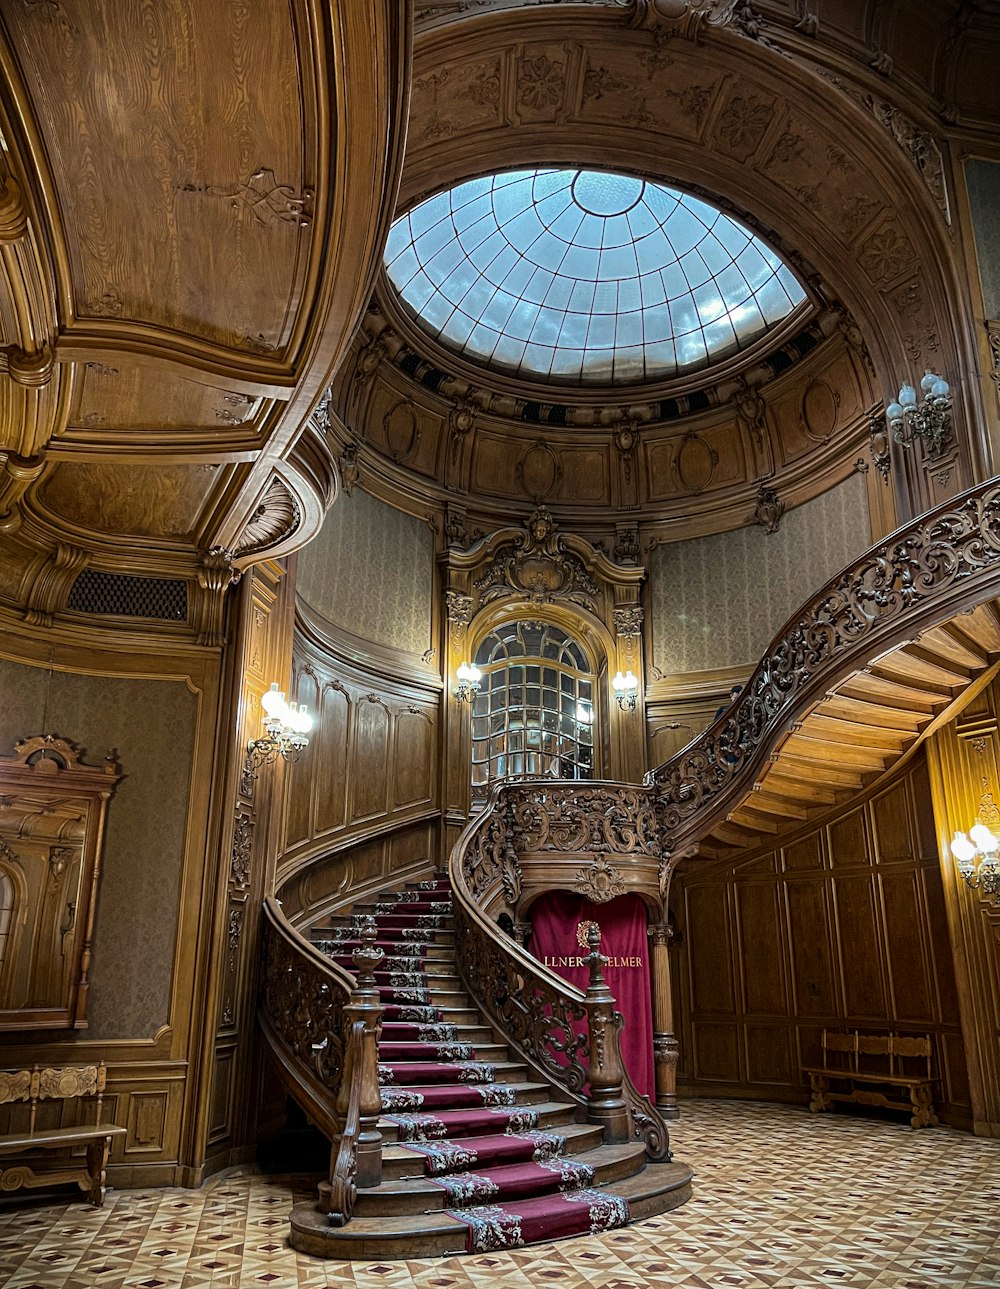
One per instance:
[(468, 682), (928, 419), (287, 725), (977, 858), (626, 688)]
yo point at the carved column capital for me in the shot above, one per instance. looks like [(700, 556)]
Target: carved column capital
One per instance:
[(522, 933), (628, 620)]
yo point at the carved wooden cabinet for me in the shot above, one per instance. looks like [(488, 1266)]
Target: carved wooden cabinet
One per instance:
[(52, 811)]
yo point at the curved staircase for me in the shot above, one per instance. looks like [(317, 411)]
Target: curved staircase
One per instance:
[(478, 1152), (444, 1142)]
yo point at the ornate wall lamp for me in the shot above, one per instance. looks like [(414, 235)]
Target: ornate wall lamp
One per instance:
[(928, 419), (977, 858), (287, 726), (626, 689), (468, 682)]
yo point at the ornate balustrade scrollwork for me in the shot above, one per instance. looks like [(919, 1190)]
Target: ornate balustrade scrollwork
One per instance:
[(322, 1026), (945, 561), (592, 816), (569, 1036)]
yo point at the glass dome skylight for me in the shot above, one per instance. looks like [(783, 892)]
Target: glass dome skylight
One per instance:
[(585, 277)]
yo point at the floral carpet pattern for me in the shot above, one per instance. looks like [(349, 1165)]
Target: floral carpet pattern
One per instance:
[(782, 1199)]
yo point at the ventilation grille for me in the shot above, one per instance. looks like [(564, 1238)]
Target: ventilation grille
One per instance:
[(117, 595)]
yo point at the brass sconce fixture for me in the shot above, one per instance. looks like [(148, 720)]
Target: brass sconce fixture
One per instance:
[(626, 689), (468, 682), (287, 726), (928, 418)]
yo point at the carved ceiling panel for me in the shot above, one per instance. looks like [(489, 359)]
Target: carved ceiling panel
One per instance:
[(111, 396), (603, 462), (148, 500), (942, 51), (184, 195), (743, 104), (171, 176)]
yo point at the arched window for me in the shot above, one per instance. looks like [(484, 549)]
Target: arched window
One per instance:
[(534, 714)]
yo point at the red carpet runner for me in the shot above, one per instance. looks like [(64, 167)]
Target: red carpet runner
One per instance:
[(508, 1182)]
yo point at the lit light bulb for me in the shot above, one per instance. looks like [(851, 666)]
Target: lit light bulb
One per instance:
[(964, 852), (984, 839), (273, 702)]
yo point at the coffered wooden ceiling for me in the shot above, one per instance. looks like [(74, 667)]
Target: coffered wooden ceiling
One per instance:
[(195, 196)]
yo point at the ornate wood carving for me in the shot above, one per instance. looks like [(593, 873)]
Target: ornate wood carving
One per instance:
[(571, 1036), (52, 811), (949, 559), (536, 564), (277, 517), (600, 881), (993, 338), (769, 509)]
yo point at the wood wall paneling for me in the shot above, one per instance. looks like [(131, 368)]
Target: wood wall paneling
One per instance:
[(372, 747), (861, 963), (373, 762), (847, 930)]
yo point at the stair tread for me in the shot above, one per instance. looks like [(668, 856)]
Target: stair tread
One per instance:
[(393, 1152), (613, 1154), (491, 1117), (654, 1180)]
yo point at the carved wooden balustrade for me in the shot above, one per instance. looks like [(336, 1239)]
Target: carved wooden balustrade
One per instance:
[(945, 562), (322, 1026), (570, 1036)]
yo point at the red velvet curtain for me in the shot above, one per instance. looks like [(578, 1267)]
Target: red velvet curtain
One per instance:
[(559, 921)]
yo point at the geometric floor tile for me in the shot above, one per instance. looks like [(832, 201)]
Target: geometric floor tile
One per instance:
[(782, 1200)]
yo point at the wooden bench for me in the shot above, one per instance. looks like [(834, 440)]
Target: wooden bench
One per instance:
[(63, 1083), (887, 1061)]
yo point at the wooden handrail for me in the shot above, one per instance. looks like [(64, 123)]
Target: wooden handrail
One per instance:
[(945, 561), (570, 1036), (322, 1025)]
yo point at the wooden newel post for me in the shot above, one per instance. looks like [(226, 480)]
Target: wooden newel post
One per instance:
[(366, 1006), (362, 1017), (665, 1047), (605, 1104)]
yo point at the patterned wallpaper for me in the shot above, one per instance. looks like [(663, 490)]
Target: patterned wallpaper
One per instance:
[(717, 601), (370, 571), (152, 725), (983, 179)]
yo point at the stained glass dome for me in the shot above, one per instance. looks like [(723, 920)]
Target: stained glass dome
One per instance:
[(586, 277)]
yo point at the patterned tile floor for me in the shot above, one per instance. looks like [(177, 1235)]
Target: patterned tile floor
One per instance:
[(782, 1198)]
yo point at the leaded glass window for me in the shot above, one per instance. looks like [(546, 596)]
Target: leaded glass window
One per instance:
[(534, 713), (586, 277)]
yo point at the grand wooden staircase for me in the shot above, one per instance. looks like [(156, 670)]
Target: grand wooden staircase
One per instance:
[(485, 1035), (478, 1152), (861, 729)]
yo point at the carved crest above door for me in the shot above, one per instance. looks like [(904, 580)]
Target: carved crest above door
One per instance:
[(535, 563)]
